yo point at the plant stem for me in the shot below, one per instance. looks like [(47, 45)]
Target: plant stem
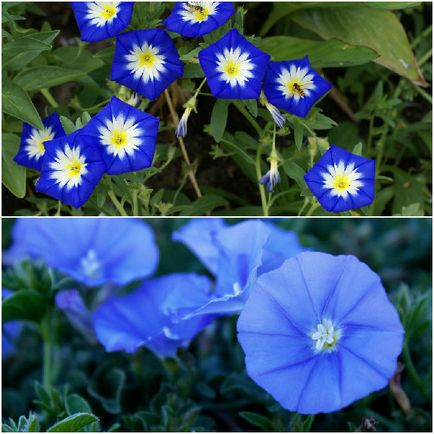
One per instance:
[(261, 187), (248, 116), (423, 93), (47, 351), (117, 204), (413, 372), (175, 119), (49, 98), (314, 206)]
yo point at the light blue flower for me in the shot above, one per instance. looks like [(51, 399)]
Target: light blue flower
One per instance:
[(32, 144), (234, 67), (294, 86), (319, 333), (153, 315), (236, 255), (102, 20), (198, 18), (94, 251), (146, 61), (125, 135), (341, 180)]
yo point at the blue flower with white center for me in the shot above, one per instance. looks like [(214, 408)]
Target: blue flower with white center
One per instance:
[(198, 18), (102, 20), (153, 315), (234, 68), (236, 255), (341, 180), (127, 136), (71, 169), (294, 86), (10, 331), (146, 61), (93, 251), (32, 145), (319, 333)]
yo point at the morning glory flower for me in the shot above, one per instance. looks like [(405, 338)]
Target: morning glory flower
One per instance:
[(272, 177), (320, 333), (93, 251), (234, 67), (127, 136), (236, 255), (71, 169), (10, 331), (341, 180), (294, 86), (198, 18), (153, 315), (102, 20), (146, 61), (32, 145)]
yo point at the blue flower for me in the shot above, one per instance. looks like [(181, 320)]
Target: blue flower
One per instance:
[(10, 331), (154, 315), (127, 136), (236, 255), (98, 21), (93, 251), (32, 145), (272, 177), (234, 68), (294, 86), (71, 303), (198, 18), (341, 180), (319, 333), (71, 169), (146, 61)]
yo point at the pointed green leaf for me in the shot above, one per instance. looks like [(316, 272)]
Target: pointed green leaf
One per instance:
[(73, 423), (14, 175)]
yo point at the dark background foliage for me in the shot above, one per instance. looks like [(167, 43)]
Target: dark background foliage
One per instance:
[(371, 110), (206, 387)]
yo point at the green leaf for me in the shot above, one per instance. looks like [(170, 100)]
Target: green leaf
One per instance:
[(73, 423), (219, 117), (205, 204), (39, 77), (295, 172), (22, 50), (358, 149), (322, 54), (76, 404), (258, 420), (25, 304), (107, 386), (14, 175), (377, 29), (17, 103), (298, 133), (193, 70), (67, 125), (392, 5), (77, 58)]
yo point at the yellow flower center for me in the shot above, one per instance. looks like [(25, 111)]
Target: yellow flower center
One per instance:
[(296, 88), (108, 12), (341, 182), (200, 13), (41, 147), (74, 168), (119, 139), (146, 58), (232, 68)]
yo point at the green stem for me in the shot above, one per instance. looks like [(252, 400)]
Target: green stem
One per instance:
[(308, 422), (423, 93), (370, 134), (47, 352), (49, 98), (413, 372), (425, 57), (199, 88), (117, 204), (312, 209), (248, 116), (261, 187)]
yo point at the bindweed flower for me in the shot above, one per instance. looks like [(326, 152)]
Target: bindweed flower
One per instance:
[(10, 331), (236, 255), (278, 118), (319, 333), (272, 177), (153, 315), (146, 61), (102, 20), (294, 86), (126, 137), (32, 145), (181, 129), (92, 251), (79, 316), (71, 169), (198, 18), (234, 68), (341, 180)]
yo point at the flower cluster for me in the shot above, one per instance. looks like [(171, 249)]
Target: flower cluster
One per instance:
[(318, 331), (121, 138)]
